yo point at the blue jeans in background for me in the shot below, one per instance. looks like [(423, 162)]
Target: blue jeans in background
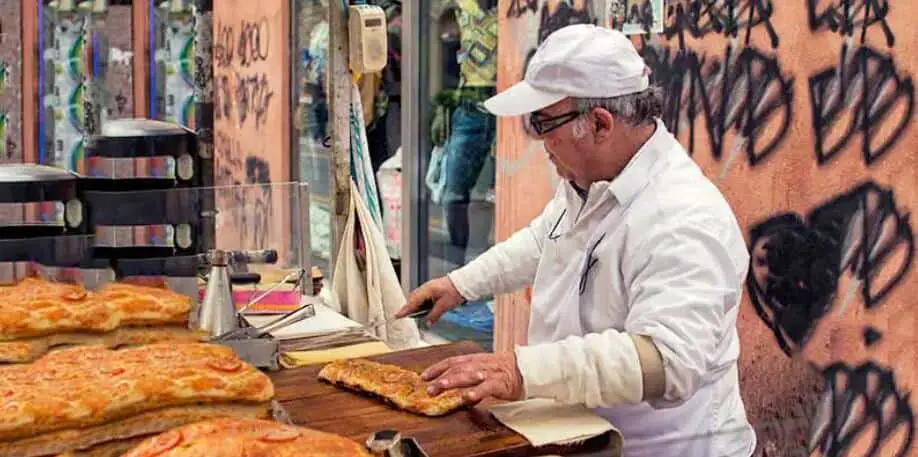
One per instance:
[(471, 139)]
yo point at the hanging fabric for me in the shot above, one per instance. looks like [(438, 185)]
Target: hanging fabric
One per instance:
[(361, 165), (365, 284)]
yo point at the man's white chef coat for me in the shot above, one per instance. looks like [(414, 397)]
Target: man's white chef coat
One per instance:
[(655, 252)]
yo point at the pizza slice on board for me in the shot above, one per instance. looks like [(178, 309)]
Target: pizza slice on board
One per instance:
[(400, 387)]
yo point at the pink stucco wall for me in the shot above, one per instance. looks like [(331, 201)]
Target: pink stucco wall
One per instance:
[(802, 113)]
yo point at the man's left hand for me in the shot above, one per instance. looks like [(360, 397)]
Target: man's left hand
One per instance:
[(482, 375)]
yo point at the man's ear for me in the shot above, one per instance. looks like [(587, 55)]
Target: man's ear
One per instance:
[(603, 122)]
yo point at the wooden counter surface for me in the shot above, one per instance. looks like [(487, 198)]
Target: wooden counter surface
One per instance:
[(472, 432)]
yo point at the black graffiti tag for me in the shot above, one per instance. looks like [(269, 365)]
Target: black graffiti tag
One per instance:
[(519, 8), (253, 96), (796, 264), (565, 14), (223, 97), (249, 203), (224, 45), (862, 405), (254, 43), (845, 17), (744, 92), (698, 18), (867, 85)]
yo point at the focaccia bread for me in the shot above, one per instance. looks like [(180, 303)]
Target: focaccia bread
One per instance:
[(246, 438), (37, 315), (88, 386), (30, 349), (116, 437), (36, 307), (403, 388), (113, 449)]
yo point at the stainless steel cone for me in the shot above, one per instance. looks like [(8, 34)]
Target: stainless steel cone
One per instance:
[(217, 312)]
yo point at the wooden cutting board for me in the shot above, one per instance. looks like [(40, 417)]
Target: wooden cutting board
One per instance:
[(471, 432)]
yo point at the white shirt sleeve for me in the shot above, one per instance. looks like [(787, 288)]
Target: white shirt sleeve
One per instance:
[(511, 264), (684, 287), (685, 283)]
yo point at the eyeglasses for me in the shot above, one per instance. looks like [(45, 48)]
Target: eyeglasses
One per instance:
[(541, 125)]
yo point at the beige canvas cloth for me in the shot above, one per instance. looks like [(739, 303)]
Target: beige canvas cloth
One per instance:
[(365, 284), (543, 422)]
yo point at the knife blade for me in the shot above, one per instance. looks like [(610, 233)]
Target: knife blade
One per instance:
[(422, 311)]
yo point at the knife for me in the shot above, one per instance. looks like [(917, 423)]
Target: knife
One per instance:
[(422, 311)]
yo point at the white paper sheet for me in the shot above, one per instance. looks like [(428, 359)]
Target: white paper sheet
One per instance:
[(326, 320)]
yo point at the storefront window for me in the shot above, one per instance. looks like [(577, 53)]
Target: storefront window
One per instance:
[(381, 109), (459, 177), (458, 170), (311, 122)]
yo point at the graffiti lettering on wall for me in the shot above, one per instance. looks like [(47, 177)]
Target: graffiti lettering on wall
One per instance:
[(863, 95), (744, 96), (698, 18), (254, 42), (862, 408), (241, 94), (866, 92), (797, 264), (224, 46), (728, 96), (249, 42), (563, 15), (846, 17), (519, 8), (253, 96), (249, 207)]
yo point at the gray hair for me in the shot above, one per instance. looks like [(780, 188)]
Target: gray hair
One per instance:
[(634, 109)]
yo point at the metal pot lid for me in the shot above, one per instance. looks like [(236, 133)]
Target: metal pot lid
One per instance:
[(139, 127), (30, 172)]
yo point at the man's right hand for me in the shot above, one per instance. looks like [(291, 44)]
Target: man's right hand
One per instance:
[(441, 291)]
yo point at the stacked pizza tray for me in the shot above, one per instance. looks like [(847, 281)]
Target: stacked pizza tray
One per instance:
[(60, 230), (66, 214)]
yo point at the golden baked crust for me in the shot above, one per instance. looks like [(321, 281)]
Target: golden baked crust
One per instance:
[(30, 349), (246, 438), (403, 388), (112, 449), (91, 385), (36, 307), (144, 424)]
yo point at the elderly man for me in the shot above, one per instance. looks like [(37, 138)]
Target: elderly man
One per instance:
[(636, 264)]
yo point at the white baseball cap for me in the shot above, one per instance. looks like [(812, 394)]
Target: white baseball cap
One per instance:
[(582, 60)]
